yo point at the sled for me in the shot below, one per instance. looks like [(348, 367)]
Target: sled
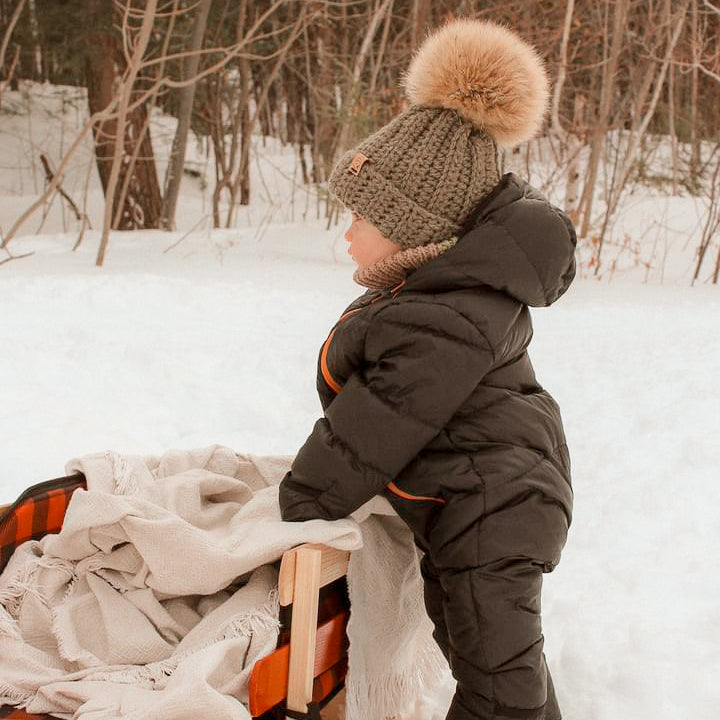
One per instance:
[(308, 667)]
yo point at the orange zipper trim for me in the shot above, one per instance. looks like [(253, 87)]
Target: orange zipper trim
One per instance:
[(393, 488), (324, 368), (329, 379)]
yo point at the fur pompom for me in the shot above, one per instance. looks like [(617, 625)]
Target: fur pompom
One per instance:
[(485, 72)]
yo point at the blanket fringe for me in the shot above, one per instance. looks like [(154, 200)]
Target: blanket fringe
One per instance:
[(389, 694), (17, 587), (8, 625), (263, 618), (125, 481), (12, 696)]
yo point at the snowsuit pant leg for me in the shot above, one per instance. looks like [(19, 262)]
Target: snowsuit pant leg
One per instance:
[(435, 604), (487, 624)]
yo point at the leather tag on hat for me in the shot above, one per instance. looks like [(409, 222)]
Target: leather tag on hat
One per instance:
[(357, 162)]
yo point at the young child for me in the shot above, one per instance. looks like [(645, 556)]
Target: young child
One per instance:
[(429, 395)]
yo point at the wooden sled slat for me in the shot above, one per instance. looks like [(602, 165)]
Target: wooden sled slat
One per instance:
[(269, 681), (333, 565)]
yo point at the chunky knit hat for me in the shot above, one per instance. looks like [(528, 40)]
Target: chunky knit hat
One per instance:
[(472, 85)]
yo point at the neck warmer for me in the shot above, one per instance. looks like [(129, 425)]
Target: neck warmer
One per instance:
[(393, 268)]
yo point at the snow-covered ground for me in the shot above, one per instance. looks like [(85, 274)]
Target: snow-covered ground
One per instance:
[(215, 341)]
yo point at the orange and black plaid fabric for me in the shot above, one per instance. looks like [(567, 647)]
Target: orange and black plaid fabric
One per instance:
[(41, 509), (9, 712), (38, 511)]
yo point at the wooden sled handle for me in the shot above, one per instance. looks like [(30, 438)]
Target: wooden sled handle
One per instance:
[(303, 571)]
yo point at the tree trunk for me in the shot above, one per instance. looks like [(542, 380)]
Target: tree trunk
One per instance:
[(244, 128), (572, 187), (243, 179), (37, 56), (136, 201), (263, 103), (602, 125), (695, 157), (174, 173), (561, 71), (321, 96), (419, 21), (671, 128), (353, 87), (136, 197)]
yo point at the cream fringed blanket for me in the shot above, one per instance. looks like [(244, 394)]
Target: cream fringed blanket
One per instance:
[(157, 597)]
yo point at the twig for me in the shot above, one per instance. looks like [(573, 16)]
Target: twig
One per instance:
[(15, 257), (50, 176), (85, 201), (192, 229), (53, 184)]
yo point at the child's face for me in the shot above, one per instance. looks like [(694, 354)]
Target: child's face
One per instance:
[(367, 244)]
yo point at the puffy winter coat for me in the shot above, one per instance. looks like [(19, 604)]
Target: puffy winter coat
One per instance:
[(430, 397)]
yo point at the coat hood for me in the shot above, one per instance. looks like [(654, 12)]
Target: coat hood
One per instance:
[(518, 243)]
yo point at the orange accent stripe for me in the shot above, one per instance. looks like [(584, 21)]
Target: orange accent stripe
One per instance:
[(327, 375), (324, 368), (393, 488), (329, 379), (57, 504)]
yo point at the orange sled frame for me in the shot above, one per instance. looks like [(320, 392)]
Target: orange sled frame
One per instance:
[(309, 665)]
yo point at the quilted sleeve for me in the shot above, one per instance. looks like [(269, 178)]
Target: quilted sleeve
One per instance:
[(422, 361)]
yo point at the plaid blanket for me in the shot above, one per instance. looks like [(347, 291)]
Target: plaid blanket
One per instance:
[(38, 511)]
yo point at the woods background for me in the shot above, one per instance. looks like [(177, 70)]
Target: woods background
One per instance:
[(633, 81)]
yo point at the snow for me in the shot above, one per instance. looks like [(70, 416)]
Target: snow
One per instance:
[(215, 341)]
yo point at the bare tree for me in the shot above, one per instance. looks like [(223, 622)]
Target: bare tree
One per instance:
[(125, 92), (133, 198), (654, 76), (613, 46), (174, 172), (377, 14), (230, 99), (320, 74), (7, 75), (120, 106), (711, 224)]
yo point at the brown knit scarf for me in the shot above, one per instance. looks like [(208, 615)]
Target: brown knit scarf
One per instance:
[(392, 269)]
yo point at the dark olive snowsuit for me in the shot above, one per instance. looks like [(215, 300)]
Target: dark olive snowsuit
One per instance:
[(430, 399)]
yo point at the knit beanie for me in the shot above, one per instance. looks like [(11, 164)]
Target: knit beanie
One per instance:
[(472, 85)]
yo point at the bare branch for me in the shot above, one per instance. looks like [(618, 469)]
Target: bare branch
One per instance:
[(11, 257), (9, 30), (50, 175), (706, 71), (91, 121), (562, 69), (11, 72), (123, 110)]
